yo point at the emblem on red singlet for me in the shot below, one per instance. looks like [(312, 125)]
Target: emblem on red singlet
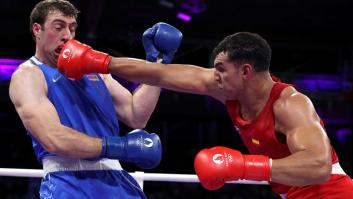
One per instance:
[(255, 141)]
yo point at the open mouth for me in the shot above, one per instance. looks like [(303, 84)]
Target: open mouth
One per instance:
[(58, 50)]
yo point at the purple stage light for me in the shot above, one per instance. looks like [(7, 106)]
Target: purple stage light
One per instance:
[(7, 67), (184, 17), (343, 134), (314, 83), (193, 6)]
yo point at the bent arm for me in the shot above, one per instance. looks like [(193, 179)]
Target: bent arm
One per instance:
[(310, 161), (177, 77), (28, 94), (133, 109)]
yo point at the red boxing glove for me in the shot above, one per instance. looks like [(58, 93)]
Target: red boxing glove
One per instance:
[(218, 165), (77, 59)]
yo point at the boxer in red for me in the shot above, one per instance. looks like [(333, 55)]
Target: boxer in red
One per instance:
[(278, 124)]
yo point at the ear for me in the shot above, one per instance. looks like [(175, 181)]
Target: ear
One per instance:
[(36, 28), (247, 70)]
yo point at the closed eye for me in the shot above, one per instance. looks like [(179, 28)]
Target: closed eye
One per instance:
[(58, 27), (219, 67)]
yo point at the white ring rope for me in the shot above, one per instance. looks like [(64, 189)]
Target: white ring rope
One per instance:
[(138, 175)]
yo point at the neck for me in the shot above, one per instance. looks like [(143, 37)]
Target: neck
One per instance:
[(44, 58), (256, 95)]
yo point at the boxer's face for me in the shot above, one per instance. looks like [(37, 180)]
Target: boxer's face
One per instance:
[(56, 31), (227, 75)]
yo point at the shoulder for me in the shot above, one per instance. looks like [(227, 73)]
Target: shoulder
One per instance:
[(28, 78), (293, 107), (27, 70), (290, 98)]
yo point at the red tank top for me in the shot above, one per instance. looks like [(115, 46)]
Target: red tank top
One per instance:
[(259, 134)]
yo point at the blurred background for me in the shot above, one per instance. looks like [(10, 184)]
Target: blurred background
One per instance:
[(312, 47)]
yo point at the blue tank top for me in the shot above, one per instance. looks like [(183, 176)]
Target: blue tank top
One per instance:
[(84, 105)]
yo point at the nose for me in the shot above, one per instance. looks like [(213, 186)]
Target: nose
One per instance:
[(217, 75), (67, 34)]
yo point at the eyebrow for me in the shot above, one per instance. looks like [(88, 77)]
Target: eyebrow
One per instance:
[(62, 21)]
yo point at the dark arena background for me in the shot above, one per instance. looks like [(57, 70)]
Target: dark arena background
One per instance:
[(312, 43)]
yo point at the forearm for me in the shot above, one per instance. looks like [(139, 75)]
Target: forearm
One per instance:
[(44, 125), (65, 141), (301, 168), (144, 102), (177, 77), (136, 70), (71, 143)]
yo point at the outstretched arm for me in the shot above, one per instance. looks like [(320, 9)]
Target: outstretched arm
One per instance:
[(177, 77), (77, 59)]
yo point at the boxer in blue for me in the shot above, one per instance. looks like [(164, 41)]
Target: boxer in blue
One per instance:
[(74, 124)]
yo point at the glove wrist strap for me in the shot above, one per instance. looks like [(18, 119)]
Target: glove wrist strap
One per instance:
[(115, 147), (97, 62), (257, 167)]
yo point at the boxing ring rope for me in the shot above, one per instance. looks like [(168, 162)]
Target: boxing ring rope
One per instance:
[(138, 175)]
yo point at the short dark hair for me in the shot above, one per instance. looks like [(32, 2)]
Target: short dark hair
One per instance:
[(41, 10), (246, 46)]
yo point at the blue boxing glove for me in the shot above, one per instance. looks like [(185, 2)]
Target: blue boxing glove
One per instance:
[(139, 147), (163, 39)]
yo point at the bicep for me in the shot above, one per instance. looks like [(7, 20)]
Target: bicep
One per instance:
[(297, 119), (311, 138)]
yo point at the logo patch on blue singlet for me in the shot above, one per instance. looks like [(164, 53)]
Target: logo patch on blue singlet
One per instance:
[(56, 79), (92, 77)]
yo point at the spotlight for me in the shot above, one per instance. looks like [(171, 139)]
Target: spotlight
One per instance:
[(7, 67), (183, 16)]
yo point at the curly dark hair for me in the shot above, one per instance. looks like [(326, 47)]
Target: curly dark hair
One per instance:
[(40, 11), (246, 46)]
